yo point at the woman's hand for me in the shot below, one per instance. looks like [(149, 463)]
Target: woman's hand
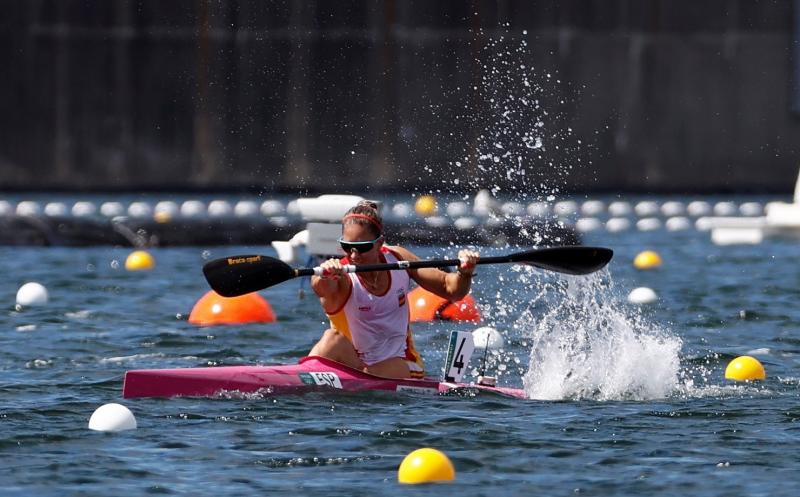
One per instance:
[(468, 258), (332, 269)]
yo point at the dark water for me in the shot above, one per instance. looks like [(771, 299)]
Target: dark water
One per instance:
[(640, 407)]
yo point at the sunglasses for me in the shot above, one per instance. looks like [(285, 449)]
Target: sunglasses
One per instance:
[(361, 247)]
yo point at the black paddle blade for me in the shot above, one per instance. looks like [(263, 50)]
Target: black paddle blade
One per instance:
[(568, 260), (241, 274)]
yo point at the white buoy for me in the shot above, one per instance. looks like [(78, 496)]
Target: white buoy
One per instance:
[(698, 208), (84, 208), (565, 208), (245, 208), (725, 209), (642, 295), (673, 208), (112, 417), (220, 208), (704, 223), (437, 221), (513, 209), (678, 223), (587, 224), (617, 224), (457, 209), (487, 336), (648, 224), (56, 209), (193, 209), (538, 209), (6, 208), (647, 208), (402, 210), (272, 208), (465, 223), (140, 209), (592, 208), (32, 294), (751, 209), (619, 209), (112, 209), (29, 208)]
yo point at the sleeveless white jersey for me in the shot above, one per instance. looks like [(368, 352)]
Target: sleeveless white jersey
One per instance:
[(377, 325)]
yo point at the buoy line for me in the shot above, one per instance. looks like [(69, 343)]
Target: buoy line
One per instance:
[(422, 219)]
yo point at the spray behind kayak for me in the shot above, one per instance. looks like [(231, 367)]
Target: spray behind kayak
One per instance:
[(586, 344), (582, 340)]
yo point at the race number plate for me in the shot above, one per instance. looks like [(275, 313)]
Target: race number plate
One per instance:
[(458, 355)]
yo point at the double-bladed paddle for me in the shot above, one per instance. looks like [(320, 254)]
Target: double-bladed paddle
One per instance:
[(241, 274)]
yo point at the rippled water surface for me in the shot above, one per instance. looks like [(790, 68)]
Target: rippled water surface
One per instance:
[(627, 401)]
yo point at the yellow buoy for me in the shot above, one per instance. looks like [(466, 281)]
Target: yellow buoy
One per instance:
[(162, 217), (647, 260), (426, 205), (745, 368), (139, 260), (425, 466)]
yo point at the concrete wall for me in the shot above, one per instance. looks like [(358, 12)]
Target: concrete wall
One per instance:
[(650, 96)]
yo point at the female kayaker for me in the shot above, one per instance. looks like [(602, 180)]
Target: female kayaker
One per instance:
[(368, 312)]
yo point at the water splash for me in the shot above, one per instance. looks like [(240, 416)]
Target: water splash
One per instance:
[(524, 146), (587, 345)]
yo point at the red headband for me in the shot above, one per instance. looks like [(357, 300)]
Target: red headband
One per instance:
[(364, 216)]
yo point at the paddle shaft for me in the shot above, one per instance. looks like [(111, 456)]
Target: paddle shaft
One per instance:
[(391, 266)]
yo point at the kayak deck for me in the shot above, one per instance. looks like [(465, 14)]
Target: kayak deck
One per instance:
[(309, 374)]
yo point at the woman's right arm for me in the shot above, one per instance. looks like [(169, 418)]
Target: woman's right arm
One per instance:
[(333, 287)]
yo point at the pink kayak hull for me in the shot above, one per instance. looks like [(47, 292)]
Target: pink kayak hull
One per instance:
[(310, 374)]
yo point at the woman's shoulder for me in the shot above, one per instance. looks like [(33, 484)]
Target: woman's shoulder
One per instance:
[(401, 253)]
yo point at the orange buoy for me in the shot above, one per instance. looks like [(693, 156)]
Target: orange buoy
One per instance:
[(426, 306), (213, 309)]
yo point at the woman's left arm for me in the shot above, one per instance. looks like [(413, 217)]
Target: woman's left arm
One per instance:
[(452, 286)]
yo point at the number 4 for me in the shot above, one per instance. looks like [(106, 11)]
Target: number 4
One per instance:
[(458, 354), (459, 362)]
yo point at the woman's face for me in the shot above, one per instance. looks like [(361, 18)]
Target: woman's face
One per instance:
[(360, 233)]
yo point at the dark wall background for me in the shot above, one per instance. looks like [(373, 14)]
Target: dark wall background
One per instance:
[(650, 96)]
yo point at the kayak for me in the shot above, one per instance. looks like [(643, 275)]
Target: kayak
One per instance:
[(311, 373)]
